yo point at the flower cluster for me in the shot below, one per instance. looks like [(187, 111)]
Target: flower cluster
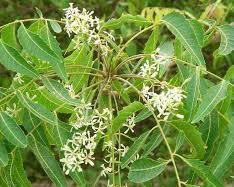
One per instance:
[(130, 124), (80, 148), (84, 24), (166, 102)]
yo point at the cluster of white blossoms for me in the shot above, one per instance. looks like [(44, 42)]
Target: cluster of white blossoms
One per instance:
[(83, 23), (130, 124), (165, 102), (80, 148), (18, 78)]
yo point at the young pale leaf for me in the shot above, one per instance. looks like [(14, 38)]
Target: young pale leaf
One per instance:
[(227, 40), (8, 36), (154, 140), (213, 96), (193, 93), (55, 26), (126, 18), (16, 170), (34, 45), (124, 114), (12, 132), (182, 29), (193, 136), (3, 155), (59, 91), (37, 109), (48, 162), (12, 60), (224, 156), (203, 171), (145, 169), (134, 149)]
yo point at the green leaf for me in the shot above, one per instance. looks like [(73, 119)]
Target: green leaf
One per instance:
[(179, 140), (203, 171), (182, 29), (59, 91), (50, 40), (126, 18), (224, 157), (154, 141), (144, 114), (55, 26), (193, 136), (121, 91), (12, 131), (3, 155), (123, 115), (44, 97), (198, 31), (37, 109), (145, 169), (34, 45), (16, 171), (134, 149), (193, 93), (33, 125), (213, 96), (210, 132), (150, 45), (8, 36), (11, 59), (227, 40), (48, 162)]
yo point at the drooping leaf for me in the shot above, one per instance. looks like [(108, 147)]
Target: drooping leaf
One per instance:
[(213, 96), (145, 169), (154, 141), (121, 91), (182, 29), (203, 171), (227, 41), (48, 162), (34, 45), (134, 149), (210, 131), (193, 136), (126, 18), (3, 155), (193, 93), (12, 60), (11, 131), (59, 91), (33, 125), (150, 45), (16, 172), (8, 36), (37, 109), (124, 114), (50, 40), (224, 157)]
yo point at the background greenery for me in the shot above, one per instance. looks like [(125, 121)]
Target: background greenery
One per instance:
[(22, 9)]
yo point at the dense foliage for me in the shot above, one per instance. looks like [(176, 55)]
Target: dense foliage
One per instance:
[(142, 99)]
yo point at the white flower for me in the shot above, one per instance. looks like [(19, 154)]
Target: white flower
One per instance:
[(166, 102), (70, 89), (78, 150), (105, 170), (149, 70), (130, 124), (18, 78)]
